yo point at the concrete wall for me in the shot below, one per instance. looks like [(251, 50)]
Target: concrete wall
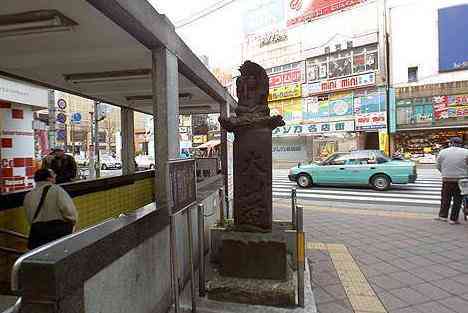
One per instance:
[(413, 28), (294, 149), (139, 281)]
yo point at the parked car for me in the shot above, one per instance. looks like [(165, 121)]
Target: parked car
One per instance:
[(363, 167), (145, 162), (108, 162), (81, 160)]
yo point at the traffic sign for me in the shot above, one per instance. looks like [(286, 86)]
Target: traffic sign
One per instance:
[(62, 104), (61, 134), (61, 118), (76, 118)]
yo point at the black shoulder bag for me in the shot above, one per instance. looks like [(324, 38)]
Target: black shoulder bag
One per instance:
[(45, 232)]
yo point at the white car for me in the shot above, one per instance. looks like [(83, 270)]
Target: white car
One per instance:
[(108, 162), (145, 162), (81, 160)]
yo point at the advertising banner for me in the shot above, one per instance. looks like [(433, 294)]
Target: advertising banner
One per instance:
[(23, 93), (383, 141), (285, 92), (290, 109), (328, 106), (262, 15), (333, 85), (315, 128), (453, 50), (287, 78), (302, 11), (445, 107), (376, 120)]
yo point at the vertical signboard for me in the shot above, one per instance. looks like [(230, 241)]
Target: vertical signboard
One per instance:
[(183, 183), (453, 46)]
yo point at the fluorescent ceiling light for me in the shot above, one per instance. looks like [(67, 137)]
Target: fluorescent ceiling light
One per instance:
[(104, 77), (34, 22), (150, 97)]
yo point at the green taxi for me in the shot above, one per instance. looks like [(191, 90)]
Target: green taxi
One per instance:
[(362, 167)]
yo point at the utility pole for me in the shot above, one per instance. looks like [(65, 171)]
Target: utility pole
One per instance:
[(97, 164), (52, 129)]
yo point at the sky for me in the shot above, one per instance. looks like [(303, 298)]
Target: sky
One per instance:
[(218, 35)]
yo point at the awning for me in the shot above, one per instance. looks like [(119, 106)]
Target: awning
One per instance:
[(101, 49), (209, 144)]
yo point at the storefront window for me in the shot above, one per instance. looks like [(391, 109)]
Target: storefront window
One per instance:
[(343, 63), (144, 141)]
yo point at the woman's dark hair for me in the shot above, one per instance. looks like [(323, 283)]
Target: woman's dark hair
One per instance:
[(42, 175)]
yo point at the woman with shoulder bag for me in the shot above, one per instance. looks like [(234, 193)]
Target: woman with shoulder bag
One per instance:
[(49, 209)]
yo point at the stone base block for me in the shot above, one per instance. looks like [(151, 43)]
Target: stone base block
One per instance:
[(253, 291), (254, 259)]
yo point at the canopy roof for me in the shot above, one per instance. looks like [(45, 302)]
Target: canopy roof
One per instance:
[(101, 49)]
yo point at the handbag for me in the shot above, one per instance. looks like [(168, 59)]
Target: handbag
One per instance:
[(45, 232)]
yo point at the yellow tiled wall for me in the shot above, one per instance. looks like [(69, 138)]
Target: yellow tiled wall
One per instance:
[(93, 207)]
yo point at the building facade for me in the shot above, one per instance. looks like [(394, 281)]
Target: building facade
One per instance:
[(18, 104), (327, 74), (429, 70)]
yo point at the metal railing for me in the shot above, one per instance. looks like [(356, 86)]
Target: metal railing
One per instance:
[(297, 220), (19, 261)]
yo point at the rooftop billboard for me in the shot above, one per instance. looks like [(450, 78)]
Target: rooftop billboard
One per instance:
[(453, 46), (302, 11)]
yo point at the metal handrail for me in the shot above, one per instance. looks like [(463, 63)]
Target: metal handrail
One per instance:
[(16, 308), (19, 261), (11, 251), (12, 233)]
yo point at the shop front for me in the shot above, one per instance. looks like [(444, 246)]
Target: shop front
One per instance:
[(425, 124), (18, 101), (356, 98)]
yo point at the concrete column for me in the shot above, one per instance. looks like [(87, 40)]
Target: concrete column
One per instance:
[(166, 121), (224, 112), (128, 141)]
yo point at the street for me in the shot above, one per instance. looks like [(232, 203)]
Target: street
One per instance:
[(423, 196)]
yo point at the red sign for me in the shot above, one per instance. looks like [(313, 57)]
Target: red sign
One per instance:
[(301, 11), (286, 78)]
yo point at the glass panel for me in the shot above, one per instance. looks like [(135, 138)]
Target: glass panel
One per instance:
[(371, 61), (359, 63), (144, 141)]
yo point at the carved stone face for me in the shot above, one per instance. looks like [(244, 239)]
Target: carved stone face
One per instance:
[(252, 88)]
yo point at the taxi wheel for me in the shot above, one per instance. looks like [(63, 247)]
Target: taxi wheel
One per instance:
[(304, 181), (380, 182)]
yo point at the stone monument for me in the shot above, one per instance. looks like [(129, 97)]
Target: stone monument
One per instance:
[(253, 252), (252, 127)]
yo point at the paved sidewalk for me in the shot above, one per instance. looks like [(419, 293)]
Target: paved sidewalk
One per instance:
[(407, 262)]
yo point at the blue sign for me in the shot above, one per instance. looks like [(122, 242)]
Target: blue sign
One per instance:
[(76, 118), (61, 118), (453, 46)]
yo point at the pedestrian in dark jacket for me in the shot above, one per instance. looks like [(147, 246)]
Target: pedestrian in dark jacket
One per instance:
[(63, 165), (453, 165)]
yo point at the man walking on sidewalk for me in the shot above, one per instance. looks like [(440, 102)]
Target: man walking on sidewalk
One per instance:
[(453, 164)]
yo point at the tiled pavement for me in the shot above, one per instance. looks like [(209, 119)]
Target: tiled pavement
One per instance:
[(412, 263)]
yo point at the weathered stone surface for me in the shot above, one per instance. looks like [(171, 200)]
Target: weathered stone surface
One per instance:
[(253, 291), (281, 231), (252, 150), (253, 180), (254, 259)]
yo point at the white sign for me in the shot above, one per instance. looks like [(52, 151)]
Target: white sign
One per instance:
[(371, 121), (315, 128), (352, 82), (23, 93)]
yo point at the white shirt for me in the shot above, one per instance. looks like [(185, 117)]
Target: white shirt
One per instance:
[(58, 205)]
